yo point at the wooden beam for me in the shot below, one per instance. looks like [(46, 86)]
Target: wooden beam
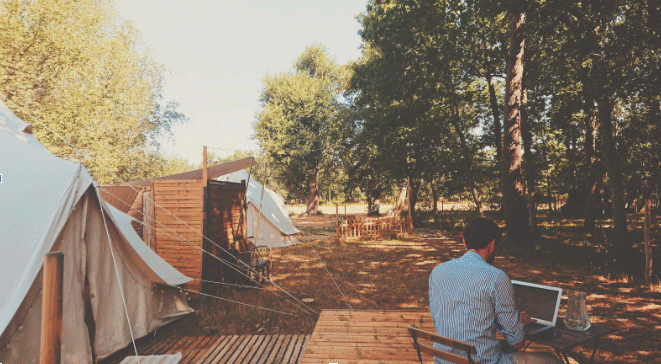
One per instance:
[(51, 309), (205, 173)]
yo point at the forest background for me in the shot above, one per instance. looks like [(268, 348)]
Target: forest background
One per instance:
[(513, 105)]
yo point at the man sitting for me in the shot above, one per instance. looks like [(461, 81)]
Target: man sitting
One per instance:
[(470, 300)]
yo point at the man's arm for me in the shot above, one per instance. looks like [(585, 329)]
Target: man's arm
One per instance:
[(507, 316), (525, 319)]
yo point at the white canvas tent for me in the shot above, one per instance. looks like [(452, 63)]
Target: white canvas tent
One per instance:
[(49, 204), (275, 227)]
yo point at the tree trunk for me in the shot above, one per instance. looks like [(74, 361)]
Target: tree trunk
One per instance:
[(516, 210), (401, 199), (373, 202), (590, 213), (550, 193), (622, 250), (313, 200), (468, 161), (529, 160), (497, 131), (415, 187)]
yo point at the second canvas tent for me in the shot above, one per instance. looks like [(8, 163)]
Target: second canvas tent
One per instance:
[(267, 218)]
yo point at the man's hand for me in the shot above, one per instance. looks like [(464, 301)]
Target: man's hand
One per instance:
[(525, 318)]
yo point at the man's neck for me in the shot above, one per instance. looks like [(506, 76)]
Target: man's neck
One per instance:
[(484, 253)]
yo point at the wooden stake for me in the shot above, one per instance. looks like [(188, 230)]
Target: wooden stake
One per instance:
[(51, 308), (648, 246), (205, 175), (408, 194), (337, 222)]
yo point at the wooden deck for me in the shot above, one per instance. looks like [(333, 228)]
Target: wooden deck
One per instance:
[(233, 349), (365, 337), (371, 337)]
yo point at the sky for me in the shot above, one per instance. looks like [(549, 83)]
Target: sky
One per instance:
[(216, 53)]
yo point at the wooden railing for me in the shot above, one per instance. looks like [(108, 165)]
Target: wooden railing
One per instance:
[(349, 227)]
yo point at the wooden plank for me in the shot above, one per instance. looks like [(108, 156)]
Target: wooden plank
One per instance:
[(190, 221), (201, 346), (176, 181), (255, 346), (275, 350), (229, 348), (302, 348), (179, 345), (178, 238), (51, 308), (183, 204), (266, 348), (242, 350), (160, 359), (161, 198), (184, 251), (282, 348), (181, 191), (193, 224), (192, 263), (194, 347), (180, 214), (175, 240), (158, 348), (238, 345), (187, 252), (289, 352), (202, 349), (216, 347)]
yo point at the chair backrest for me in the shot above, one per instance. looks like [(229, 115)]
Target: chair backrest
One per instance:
[(428, 348)]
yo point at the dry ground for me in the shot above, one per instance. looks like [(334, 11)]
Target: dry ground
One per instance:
[(393, 274)]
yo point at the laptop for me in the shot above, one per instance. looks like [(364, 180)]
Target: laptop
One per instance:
[(540, 301)]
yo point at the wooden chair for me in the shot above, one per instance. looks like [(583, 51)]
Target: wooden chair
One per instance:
[(429, 348), (258, 258)]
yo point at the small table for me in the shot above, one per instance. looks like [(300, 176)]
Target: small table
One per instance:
[(565, 340)]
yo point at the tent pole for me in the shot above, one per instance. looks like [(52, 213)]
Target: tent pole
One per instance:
[(51, 309), (205, 173)]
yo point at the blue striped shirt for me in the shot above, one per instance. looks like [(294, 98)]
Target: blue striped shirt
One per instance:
[(469, 300)]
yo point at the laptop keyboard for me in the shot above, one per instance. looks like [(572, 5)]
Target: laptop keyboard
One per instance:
[(534, 325)]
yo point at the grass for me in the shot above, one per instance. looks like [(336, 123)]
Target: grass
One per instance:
[(392, 275)]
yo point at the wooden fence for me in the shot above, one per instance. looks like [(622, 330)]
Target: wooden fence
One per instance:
[(349, 227)]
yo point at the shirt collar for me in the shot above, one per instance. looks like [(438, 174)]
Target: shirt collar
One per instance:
[(473, 256)]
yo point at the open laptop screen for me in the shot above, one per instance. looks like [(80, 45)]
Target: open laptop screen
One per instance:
[(541, 302)]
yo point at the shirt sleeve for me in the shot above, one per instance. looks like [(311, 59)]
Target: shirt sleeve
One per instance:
[(508, 319)]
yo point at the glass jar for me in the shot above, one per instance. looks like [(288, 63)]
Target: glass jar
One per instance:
[(577, 317)]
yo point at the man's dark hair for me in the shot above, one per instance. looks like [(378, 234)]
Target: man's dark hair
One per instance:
[(479, 232)]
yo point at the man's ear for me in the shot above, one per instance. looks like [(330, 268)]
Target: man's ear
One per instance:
[(492, 245)]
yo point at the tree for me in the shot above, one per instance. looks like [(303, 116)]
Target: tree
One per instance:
[(416, 93), (82, 77), (299, 127), (516, 209)]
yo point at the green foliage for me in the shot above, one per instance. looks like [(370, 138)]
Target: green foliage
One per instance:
[(82, 77), (300, 123), (420, 97), (421, 107)]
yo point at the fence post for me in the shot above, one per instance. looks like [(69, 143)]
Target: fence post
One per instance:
[(648, 246), (337, 222), (51, 309)]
